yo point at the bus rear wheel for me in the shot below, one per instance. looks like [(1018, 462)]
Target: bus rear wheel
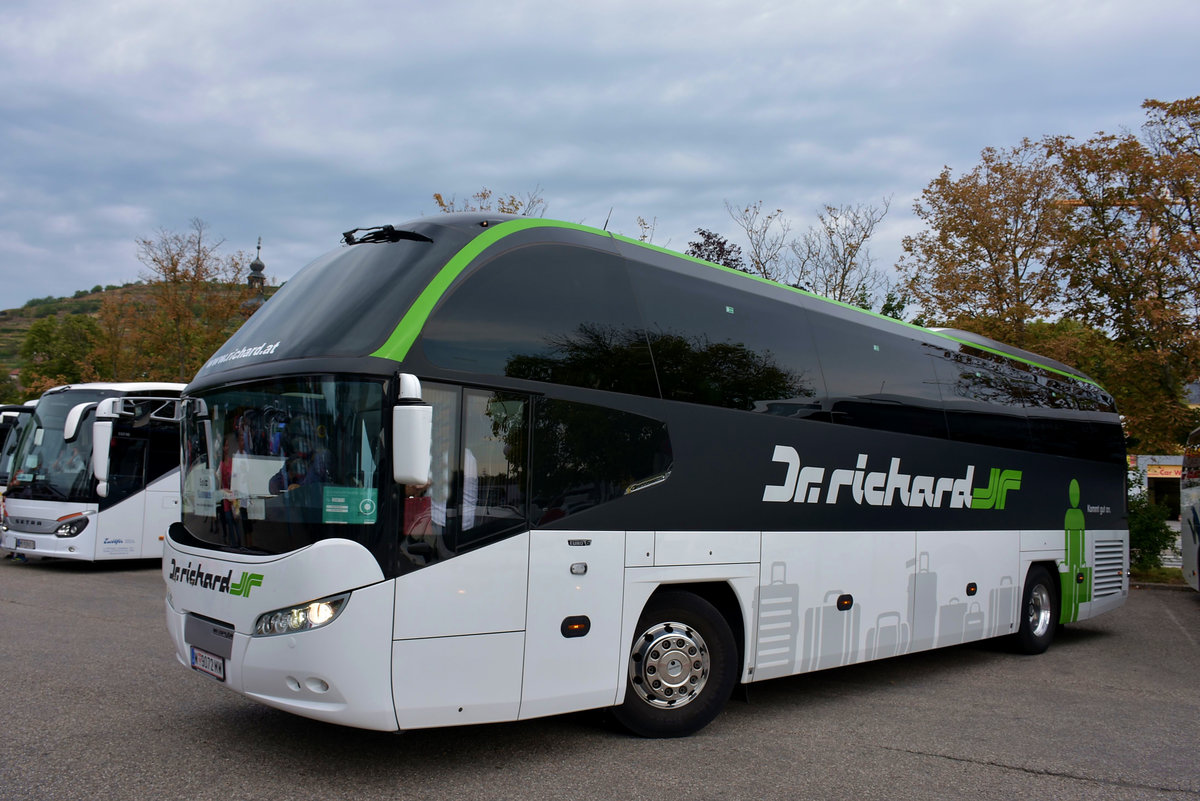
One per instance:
[(682, 667), (1039, 612)]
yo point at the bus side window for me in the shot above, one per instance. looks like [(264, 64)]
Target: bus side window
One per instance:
[(164, 450), (585, 456), (430, 512), (495, 444), (877, 377), (550, 312), (127, 462), (985, 401), (720, 345)]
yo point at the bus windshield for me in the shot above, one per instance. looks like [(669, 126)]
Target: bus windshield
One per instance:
[(273, 466), (44, 466)]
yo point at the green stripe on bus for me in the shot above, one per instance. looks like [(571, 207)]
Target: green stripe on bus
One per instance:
[(401, 341)]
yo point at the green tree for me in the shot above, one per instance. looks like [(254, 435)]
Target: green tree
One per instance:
[(1149, 535), (10, 391), (714, 248), (56, 352)]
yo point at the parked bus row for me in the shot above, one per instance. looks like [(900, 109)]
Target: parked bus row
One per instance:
[(570, 470)]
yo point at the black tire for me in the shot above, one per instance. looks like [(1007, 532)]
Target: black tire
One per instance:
[(682, 667), (1039, 612)]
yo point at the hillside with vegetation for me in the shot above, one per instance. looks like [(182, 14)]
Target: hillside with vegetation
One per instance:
[(163, 327), (15, 323)]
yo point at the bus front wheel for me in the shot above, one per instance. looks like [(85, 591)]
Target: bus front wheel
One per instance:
[(682, 667), (1039, 611)]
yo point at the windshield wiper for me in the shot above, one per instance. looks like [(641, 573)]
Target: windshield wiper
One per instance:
[(382, 233)]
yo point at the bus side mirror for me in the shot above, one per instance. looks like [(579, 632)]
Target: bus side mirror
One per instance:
[(101, 440), (412, 438), (71, 426), (412, 434)]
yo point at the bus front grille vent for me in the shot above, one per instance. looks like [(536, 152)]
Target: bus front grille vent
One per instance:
[(1110, 568)]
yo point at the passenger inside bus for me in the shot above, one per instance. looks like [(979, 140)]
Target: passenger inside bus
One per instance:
[(307, 459)]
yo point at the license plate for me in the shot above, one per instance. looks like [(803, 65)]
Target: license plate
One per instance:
[(29, 545), (208, 663)]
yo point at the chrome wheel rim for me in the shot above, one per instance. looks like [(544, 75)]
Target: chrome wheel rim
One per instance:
[(1038, 613), (669, 665)]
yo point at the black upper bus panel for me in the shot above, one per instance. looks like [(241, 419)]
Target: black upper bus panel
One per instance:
[(543, 304)]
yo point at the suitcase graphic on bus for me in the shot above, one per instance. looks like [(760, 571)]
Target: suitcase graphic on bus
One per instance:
[(888, 638), (778, 625), (952, 619), (922, 600), (974, 623), (1002, 605), (830, 635)]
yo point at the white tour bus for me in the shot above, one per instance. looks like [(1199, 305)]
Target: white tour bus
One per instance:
[(481, 468), (95, 473)]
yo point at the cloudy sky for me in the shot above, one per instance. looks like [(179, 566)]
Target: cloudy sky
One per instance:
[(296, 120)]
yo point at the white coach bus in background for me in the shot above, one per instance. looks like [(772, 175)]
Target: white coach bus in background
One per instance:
[(95, 473)]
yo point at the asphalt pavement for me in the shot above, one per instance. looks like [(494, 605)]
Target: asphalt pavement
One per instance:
[(94, 706)]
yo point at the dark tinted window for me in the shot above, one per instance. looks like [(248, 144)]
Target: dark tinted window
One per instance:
[(985, 400), (478, 474), (1076, 434), (548, 312), (346, 303), (495, 443), (586, 455), (126, 465), (429, 518), (878, 378), (722, 346)]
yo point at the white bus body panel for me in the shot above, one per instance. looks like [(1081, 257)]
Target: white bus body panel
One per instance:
[(451, 681), (965, 587), (705, 547), (459, 634), (809, 571), (573, 574), (480, 592), (479, 638), (162, 509), (309, 673), (121, 531)]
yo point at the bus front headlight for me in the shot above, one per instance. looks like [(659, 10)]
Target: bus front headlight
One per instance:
[(70, 526), (304, 617)]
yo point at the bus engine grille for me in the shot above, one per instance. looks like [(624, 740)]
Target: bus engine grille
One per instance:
[(1110, 568)]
